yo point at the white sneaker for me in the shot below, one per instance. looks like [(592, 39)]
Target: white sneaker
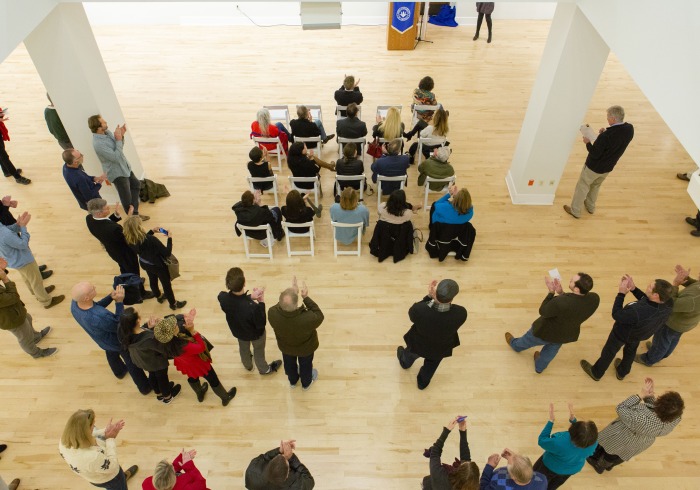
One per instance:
[(263, 243)]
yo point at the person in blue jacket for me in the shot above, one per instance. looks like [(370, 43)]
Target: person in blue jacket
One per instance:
[(455, 212)]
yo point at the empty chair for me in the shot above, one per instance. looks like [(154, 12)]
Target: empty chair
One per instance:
[(444, 190), (253, 180), (252, 233), (294, 181), (340, 226), (278, 113), (401, 179), (290, 233)]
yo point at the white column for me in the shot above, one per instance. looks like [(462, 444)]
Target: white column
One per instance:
[(572, 62), (70, 65)]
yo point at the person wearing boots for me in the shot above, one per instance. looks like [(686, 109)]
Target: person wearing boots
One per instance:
[(484, 9), (191, 355)]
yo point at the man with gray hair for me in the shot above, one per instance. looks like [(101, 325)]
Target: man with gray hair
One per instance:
[(391, 165), (436, 167), (603, 154), (433, 334), (295, 329)]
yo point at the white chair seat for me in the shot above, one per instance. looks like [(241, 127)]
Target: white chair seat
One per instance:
[(277, 152), (428, 180), (244, 234), (383, 109), (293, 181), (420, 107), (348, 179), (273, 179), (381, 178), (290, 233), (359, 226)]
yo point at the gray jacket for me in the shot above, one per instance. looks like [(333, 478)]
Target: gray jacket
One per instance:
[(111, 155)]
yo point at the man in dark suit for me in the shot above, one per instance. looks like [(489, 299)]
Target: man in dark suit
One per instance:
[(433, 334), (306, 127), (348, 93), (105, 227), (351, 126), (391, 165), (603, 154)]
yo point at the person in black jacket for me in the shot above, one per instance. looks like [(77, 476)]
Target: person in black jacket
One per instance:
[(306, 127), (463, 473), (348, 93), (351, 126), (249, 212), (603, 154), (245, 315), (152, 255), (433, 334), (634, 322), (278, 469)]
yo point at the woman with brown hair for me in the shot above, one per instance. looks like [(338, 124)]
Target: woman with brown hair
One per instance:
[(436, 131), (457, 211), (296, 211), (463, 474), (349, 210)]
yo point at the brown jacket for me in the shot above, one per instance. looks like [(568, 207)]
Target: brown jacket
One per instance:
[(12, 310), (296, 330)]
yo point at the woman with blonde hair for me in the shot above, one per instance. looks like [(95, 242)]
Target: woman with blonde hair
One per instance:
[(92, 452), (436, 131), (181, 475), (263, 127), (349, 210), (152, 256), (389, 127)]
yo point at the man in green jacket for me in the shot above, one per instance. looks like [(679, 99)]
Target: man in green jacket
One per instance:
[(684, 317), (295, 329), (436, 167), (15, 319)]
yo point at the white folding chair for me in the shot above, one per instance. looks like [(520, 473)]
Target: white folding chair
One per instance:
[(335, 225), (431, 141), (383, 109), (350, 178), (428, 180), (273, 179), (315, 111), (380, 178), (270, 240), (293, 181), (277, 152), (360, 142), (289, 233), (278, 113), (340, 108), (419, 107), (311, 139)]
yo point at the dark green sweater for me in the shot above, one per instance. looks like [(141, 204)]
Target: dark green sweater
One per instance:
[(296, 330), (561, 316), (53, 122)]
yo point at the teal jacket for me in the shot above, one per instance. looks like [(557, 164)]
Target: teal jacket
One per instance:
[(560, 454)]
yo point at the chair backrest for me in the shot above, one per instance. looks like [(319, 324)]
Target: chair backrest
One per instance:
[(343, 108), (315, 110), (278, 113), (429, 141), (290, 233), (383, 109), (278, 151), (293, 181), (311, 139), (359, 226), (270, 240), (350, 178), (381, 178), (428, 180), (421, 107), (273, 179), (360, 142)]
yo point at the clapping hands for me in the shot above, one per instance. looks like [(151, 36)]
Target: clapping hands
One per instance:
[(287, 448)]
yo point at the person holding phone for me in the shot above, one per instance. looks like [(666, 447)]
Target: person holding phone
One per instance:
[(463, 474)]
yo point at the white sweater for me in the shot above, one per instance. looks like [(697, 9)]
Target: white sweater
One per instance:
[(97, 464)]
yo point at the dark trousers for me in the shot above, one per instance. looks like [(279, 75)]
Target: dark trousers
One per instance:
[(296, 367), (128, 189), (7, 168), (607, 355), (662, 345), (116, 483), (426, 371), (210, 376), (160, 382), (604, 460), (554, 480), (155, 273), (480, 19), (120, 363)]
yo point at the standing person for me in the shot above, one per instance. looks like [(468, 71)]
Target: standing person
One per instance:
[(246, 318), (308, 127), (518, 474), (484, 9), (147, 353), (640, 420), (433, 334), (83, 186), (258, 166), (53, 122), (295, 329), (634, 322), (102, 325), (560, 319), (279, 468), (348, 93), (92, 453), (684, 317), (14, 246), (603, 155), (8, 169), (15, 319), (152, 255), (565, 453), (463, 474), (110, 150), (191, 355), (182, 474)]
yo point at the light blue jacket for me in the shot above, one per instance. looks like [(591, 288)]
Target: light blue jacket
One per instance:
[(15, 248), (111, 155)]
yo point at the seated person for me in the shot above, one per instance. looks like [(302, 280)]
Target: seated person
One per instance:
[(391, 165), (397, 210), (393, 235), (306, 127), (297, 211), (181, 475), (303, 163), (258, 166), (423, 95), (349, 211), (456, 212), (348, 93), (350, 165), (351, 127), (389, 127), (262, 127), (436, 167), (436, 131), (249, 212)]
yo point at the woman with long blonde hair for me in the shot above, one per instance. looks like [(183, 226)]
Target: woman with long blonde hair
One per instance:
[(389, 127), (436, 131)]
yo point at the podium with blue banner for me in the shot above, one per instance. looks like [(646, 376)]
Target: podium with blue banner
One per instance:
[(402, 25)]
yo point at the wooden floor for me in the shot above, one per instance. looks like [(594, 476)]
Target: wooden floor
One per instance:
[(189, 95)]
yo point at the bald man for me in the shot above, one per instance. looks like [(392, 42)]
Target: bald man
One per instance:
[(101, 325)]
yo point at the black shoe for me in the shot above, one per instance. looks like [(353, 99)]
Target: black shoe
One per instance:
[(173, 394), (22, 180), (421, 386), (148, 295), (489, 38), (46, 352), (476, 36), (274, 367), (178, 305), (161, 298), (328, 138), (683, 176), (588, 369), (617, 362), (695, 233), (598, 469), (692, 221), (131, 472), (55, 300), (122, 375), (147, 391), (46, 274), (399, 355), (43, 267), (3, 447), (638, 358)]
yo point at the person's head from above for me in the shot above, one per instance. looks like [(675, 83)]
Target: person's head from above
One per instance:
[(659, 291), (583, 433), (396, 204), (352, 109), (277, 471), (97, 125), (348, 199), (520, 469), (72, 158), (77, 434), (302, 112), (442, 154), (349, 151), (98, 208), (297, 149), (166, 329), (248, 198), (83, 292), (615, 114), (256, 154), (263, 118), (465, 477), (581, 283), (446, 290), (295, 201), (349, 82), (235, 279), (289, 299), (390, 127), (134, 233), (669, 406), (440, 125), (164, 477), (393, 147), (426, 83), (462, 201)]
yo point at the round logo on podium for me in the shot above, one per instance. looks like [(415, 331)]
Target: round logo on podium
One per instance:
[(403, 14)]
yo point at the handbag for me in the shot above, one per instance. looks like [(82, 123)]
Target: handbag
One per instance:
[(375, 148), (173, 267)]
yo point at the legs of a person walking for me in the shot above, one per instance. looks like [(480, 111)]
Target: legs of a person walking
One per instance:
[(427, 371), (31, 275), (162, 381), (662, 345), (291, 369), (527, 341), (116, 483), (628, 354), (489, 25), (26, 336), (586, 192), (554, 480), (152, 278), (164, 276), (114, 359), (611, 347), (136, 373)]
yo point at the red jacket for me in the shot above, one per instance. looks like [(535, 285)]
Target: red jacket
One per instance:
[(273, 132), (188, 478), (190, 363)]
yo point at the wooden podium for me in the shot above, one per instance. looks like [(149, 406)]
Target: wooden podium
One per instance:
[(402, 25)]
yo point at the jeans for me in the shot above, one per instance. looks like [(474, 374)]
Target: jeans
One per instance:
[(549, 351), (586, 192), (662, 345), (321, 128), (27, 337), (258, 354), (128, 189), (116, 483), (281, 127), (120, 362), (426, 371), (611, 347), (303, 370)]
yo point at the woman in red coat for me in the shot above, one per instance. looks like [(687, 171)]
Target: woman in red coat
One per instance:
[(8, 169), (191, 354), (262, 127), (181, 475)]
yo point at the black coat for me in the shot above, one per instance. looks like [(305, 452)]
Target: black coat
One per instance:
[(256, 216), (433, 334), (445, 238), (351, 127), (305, 129), (111, 236), (299, 477), (608, 147), (147, 353), (246, 318), (390, 239), (347, 97)]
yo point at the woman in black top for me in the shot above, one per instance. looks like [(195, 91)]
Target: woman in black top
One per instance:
[(297, 211), (302, 166), (152, 255), (463, 474), (147, 353), (258, 166), (351, 165)]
